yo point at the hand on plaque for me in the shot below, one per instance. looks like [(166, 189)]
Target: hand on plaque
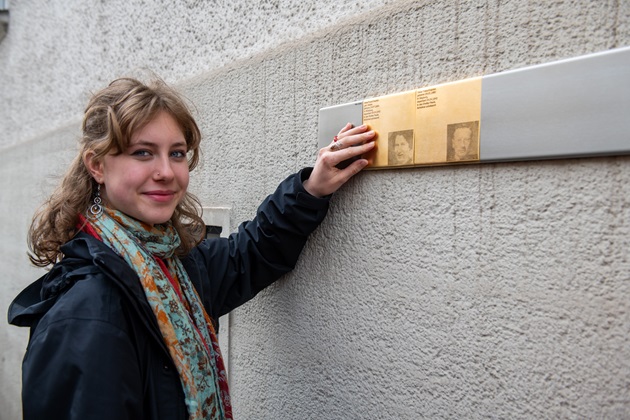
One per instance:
[(331, 169)]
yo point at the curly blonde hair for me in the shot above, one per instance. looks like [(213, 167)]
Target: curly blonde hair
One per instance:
[(111, 117)]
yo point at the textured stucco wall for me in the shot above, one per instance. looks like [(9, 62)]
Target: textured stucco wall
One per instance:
[(56, 53), (497, 290)]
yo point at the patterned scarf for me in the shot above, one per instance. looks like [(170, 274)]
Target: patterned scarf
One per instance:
[(185, 326)]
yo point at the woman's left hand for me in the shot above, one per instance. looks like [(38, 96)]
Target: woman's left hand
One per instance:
[(351, 142)]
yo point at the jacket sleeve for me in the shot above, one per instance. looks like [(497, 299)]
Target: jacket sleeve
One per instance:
[(230, 271), (80, 368)]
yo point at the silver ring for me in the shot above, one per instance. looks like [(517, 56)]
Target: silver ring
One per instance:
[(335, 146)]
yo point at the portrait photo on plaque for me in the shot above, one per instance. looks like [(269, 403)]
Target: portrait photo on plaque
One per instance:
[(462, 142), (400, 148)]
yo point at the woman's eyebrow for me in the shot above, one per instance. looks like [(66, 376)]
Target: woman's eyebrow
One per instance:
[(147, 143)]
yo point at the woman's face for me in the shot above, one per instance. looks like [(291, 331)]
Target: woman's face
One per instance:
[(149, 179)]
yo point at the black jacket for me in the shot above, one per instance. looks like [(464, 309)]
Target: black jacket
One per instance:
[(95, 350)]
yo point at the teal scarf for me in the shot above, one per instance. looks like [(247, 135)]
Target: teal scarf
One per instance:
[(185, 326)]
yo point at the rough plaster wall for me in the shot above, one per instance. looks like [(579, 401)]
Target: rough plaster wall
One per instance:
[(24, 182), (489, 291), (457, 292), (54, 54)]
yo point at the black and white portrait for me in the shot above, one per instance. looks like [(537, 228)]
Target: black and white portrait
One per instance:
[(462, 141), (400, 148)]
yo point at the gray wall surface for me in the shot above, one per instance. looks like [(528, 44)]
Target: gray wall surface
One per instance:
[(495, 290)]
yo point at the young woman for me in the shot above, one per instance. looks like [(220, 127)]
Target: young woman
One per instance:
[(124, 324)]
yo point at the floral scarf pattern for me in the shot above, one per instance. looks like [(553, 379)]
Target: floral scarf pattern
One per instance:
[(187, 329)]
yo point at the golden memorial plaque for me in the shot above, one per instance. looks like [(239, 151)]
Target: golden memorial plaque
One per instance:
[(392, 117), (447, 123), (436, 125)]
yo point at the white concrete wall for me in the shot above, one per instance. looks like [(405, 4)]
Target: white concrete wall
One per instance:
[(497, 290)]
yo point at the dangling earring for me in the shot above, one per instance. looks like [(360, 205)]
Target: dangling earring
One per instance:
[(96, 209)]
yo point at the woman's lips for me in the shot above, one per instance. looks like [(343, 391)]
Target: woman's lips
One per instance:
[(160, 196)]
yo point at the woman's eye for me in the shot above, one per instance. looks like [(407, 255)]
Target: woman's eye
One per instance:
[(178, 154), (140, 153)]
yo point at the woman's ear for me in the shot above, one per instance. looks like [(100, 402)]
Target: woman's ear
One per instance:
[(93, 165)]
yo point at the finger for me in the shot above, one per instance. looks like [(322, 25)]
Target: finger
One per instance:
[(354, 140), (338, 137), (347, 127), (352, 169), (346, 153)]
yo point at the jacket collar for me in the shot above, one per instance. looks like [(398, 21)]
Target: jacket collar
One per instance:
[(84, 255)]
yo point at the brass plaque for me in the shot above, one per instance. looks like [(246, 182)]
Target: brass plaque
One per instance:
[(393, 119), (436, 125), (447, 123)]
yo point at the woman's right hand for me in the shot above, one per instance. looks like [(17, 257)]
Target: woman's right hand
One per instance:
[(351, 142)]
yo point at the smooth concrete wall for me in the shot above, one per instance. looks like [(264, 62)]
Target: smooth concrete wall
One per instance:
[(497, 290)]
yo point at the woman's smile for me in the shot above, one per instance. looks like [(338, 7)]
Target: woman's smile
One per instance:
[(160, 195)]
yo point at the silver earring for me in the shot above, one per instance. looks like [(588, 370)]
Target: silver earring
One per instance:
[(96, 209)]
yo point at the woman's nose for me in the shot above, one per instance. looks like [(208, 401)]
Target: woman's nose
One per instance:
[(163, 170)]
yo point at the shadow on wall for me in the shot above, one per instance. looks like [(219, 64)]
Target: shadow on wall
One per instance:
[(4, 18)]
